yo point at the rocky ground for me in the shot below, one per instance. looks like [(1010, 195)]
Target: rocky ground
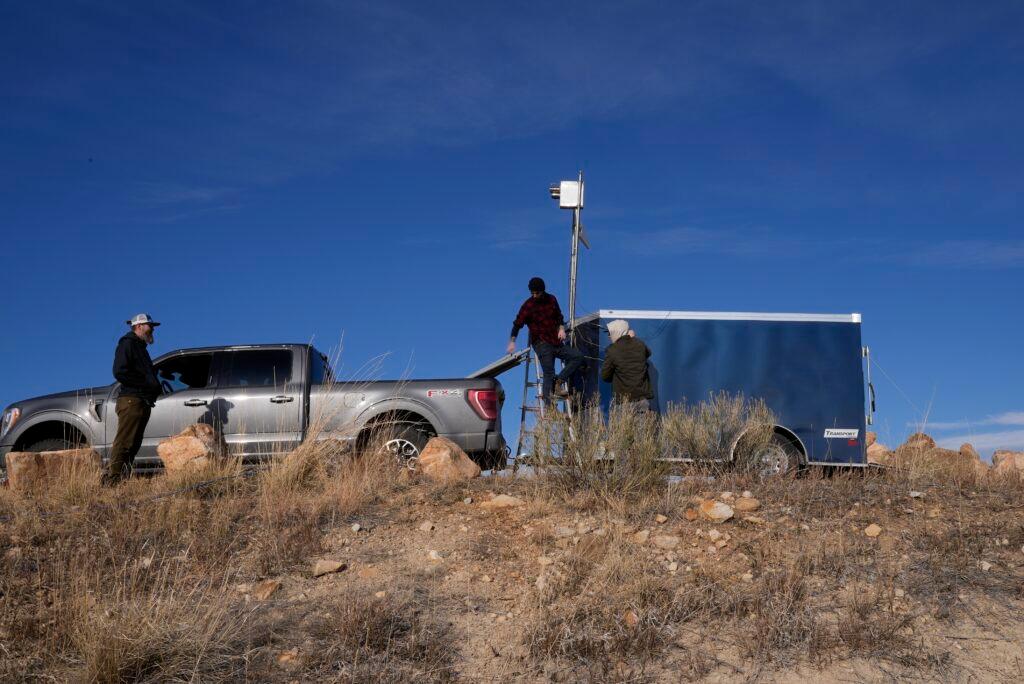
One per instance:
[(361, 572)]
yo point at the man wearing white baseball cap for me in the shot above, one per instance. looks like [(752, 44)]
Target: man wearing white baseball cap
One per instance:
[(139, 389)]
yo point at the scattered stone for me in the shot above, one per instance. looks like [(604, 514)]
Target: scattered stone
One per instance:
[(631, 619), (899, 593), (714, 535), (369, 572), (872, 530), (468, 500), (641, 536), (691, 514), (288, 657), (356, 527), (666, 541), (442, 460), (721, 543), (747, 504), (265, 589), (661, 519), (435, 555), (463, 528), (426, 526), (673, 566), (985, 566), (715, 511), (486, 579), (326, 567), (916, 495), (381, 594), (712, 550), (747, 577), (502, 501), (726, 496), (545, 560)]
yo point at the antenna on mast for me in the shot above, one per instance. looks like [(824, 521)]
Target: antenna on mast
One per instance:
[(570, 196)]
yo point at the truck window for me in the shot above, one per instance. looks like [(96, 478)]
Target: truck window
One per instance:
[(319, 369), (258, 368), (191, 371)]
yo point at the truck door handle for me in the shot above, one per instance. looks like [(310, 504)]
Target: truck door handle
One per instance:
[(281, 399), (195, 402)]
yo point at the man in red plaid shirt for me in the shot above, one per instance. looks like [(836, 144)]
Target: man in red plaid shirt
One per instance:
[(542, 315)]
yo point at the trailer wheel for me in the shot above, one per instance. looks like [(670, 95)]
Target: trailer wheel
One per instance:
[(779, 457)]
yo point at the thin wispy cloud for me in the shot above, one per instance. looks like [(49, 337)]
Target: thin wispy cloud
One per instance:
[(173, 193), (994, 254), (1007, 418), (986, 441)]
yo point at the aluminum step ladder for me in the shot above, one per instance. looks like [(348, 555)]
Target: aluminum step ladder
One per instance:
[(534, 404)]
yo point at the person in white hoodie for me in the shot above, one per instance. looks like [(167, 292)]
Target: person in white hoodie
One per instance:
[(625, 366)]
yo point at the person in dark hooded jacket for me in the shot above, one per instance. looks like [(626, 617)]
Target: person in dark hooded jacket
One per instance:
[(625, 366), (139, 390)]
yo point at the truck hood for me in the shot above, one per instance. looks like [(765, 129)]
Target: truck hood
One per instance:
[(100, 392)]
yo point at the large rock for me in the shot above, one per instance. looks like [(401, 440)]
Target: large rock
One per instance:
[(879, 454), (442, 460), (919, 440), (917, 455), (27, 470), (1005, 462), (193, 448)]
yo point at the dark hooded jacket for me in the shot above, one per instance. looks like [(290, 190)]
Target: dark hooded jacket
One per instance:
[(134, 369), (625, 366)]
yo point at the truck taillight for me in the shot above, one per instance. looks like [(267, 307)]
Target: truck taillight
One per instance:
[(484, 402)]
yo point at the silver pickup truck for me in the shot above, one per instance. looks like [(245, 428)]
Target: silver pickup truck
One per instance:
[(266, 399)]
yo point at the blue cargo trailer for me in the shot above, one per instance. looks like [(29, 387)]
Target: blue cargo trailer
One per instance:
[(808, 368)]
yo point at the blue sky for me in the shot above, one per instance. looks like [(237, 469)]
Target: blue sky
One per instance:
[(377, 171)]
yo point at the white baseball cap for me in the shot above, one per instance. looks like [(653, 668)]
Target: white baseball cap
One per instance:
[(139, 319)]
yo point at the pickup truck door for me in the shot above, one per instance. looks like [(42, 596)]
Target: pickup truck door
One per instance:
[(259, 400), (188, 395)]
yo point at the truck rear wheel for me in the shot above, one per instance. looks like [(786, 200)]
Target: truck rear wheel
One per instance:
[(405, 443)]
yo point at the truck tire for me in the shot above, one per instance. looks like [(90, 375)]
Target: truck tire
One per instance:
[(53, 444), (779, 457), (405, 442)]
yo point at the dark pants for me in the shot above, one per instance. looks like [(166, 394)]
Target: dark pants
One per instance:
[(571, 358), (132, 416)]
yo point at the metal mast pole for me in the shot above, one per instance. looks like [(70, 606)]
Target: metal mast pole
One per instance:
[(574, 257)]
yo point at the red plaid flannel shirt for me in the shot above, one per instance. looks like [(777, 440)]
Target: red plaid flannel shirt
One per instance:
[(543, 317)]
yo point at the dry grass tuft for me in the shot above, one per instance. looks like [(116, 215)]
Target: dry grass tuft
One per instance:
[(382, 640)]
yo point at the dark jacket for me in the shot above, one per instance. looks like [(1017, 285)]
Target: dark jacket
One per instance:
[(134, 369), (625, 366)]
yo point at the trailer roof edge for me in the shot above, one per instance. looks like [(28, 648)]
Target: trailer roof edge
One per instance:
[(722, 316)]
